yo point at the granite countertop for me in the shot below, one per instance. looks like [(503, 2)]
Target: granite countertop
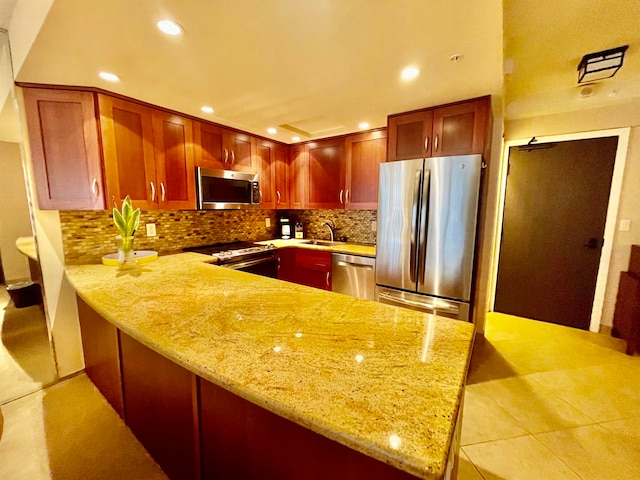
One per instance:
[(27, 246), (337, 247), (382, 380)]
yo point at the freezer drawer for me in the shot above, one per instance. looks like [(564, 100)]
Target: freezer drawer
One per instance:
[(353, 275), (423, 303)]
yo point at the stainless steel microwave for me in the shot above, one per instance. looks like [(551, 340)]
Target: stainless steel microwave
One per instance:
[(226, 189)]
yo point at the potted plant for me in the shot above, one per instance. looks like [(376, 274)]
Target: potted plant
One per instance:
[(127, 223)]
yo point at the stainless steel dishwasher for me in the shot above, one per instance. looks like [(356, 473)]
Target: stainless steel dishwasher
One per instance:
[(353, 275)]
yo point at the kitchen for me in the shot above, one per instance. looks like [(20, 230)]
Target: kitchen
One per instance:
[(524, 128)]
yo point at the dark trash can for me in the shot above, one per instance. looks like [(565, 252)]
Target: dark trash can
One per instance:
[(24, 294)]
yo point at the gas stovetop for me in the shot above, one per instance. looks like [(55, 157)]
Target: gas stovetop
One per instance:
[(233, 251)]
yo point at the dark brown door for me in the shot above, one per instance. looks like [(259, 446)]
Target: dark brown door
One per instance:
[(553, 227)]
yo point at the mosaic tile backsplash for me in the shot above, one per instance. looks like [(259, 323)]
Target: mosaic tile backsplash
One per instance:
[(88, 235)]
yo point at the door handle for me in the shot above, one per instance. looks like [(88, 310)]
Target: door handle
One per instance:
[(414, 226), (426, 144), (341, 193), (278, 194), (94, 187), (153, 192), (435, 144), (162, 191), (424, 222), (233, 157), (328, 278)]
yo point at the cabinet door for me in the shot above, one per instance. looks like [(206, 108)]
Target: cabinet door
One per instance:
[(175, 169), (63, 135), (410, 136), (364, 153), (208, 145), (161, 408), (313, 268), (287, 264), (298, 185), (282, 176), (460, 129), (240, 149), (326, 174), (266, 153), (127, 142)]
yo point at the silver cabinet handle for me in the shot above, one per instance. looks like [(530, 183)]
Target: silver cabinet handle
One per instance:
[(341, 192), (426, 144), (278, 194), (328, 277), (162, 191), (225, 156), (94, 187), (435, 144), (347, 195), (233, 157), (153, 192)]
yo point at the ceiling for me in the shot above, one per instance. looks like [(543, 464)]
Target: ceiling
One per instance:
[(323, 66)]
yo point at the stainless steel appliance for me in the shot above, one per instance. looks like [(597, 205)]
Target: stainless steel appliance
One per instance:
[(353, 275), (427, 211), (225, 189), (248, 257)]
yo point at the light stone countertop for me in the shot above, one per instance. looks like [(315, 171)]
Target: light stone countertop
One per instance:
[(338, 247), (370, 376), (27, 246)]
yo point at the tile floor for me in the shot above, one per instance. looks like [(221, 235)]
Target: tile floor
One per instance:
[(543, 402), (550, 402)]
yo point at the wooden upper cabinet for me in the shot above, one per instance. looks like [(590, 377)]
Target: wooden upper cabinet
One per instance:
[(208, 142), (326, 174), (65, 152), (127, 142), (175, 169), (410, 135), (460, 129), (282, 176), (364, 153), (240, 147), (298, 178), (266, 153)]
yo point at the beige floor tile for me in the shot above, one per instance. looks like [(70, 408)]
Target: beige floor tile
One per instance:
[(535, 407), (483, 419), (68, 431), (603, 393), (521, 458), (466, 469), (594, 453), (627, 429)]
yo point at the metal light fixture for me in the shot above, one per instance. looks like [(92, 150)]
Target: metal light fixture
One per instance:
[(601, 65)]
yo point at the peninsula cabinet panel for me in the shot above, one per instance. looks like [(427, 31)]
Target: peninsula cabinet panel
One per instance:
[(326, 174), (160, 399), (127, 142), (298, 184), (175, 168), (63, 135), (243, 441), (266, 155), (364, 153), (460, 129), (410, 135), (101, 346), (282, 176)]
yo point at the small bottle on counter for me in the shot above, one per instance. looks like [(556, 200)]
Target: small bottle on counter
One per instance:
[(299, 231)]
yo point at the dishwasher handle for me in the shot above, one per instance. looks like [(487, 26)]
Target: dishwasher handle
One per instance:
[(341, 263)]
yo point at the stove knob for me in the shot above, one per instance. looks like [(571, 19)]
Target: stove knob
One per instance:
[(271, 245)]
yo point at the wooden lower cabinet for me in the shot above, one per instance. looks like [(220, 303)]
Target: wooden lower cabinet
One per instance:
[(160, 400), (287, 264), (313, 268)]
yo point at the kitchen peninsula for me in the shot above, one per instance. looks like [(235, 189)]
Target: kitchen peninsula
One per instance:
[(383, 381)]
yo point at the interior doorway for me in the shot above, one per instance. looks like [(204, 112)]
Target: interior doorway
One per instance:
[(554, 194)]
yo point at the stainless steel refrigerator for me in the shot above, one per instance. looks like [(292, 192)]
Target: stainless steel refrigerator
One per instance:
[(427, 212)]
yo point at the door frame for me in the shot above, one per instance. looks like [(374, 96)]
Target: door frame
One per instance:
[(612, 210)]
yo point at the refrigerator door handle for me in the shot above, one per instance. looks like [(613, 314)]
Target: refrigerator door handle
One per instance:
[(424, 223), (414, 225)]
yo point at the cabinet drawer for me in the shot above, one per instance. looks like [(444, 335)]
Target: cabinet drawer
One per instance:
[(311, 258)]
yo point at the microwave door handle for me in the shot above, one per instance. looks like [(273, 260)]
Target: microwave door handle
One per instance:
[(424, 224), (414, 225)]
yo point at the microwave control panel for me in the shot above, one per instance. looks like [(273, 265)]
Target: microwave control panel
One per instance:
[(255, 197)]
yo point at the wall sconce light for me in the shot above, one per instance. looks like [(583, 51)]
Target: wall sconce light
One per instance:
[(601, 65)]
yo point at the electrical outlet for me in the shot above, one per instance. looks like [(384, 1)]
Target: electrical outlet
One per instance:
[(625, 225), (267, 222), (374, 225), (151, 229)]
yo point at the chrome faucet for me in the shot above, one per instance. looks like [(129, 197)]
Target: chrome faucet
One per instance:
[(332, 228)]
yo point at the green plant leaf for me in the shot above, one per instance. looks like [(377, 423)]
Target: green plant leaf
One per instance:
[(134, 221), (118, 221)]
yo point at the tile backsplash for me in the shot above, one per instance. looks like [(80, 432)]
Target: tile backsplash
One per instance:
[(88, 235)]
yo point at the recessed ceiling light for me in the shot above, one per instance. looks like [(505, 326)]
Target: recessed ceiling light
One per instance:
[(272, 130), (295, 139), (363, 125), (109, 77), (456, 57), (410, 72), (169, 27), (207, 109)]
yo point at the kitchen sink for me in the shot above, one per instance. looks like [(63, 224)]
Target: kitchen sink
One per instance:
[(323, 243)]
